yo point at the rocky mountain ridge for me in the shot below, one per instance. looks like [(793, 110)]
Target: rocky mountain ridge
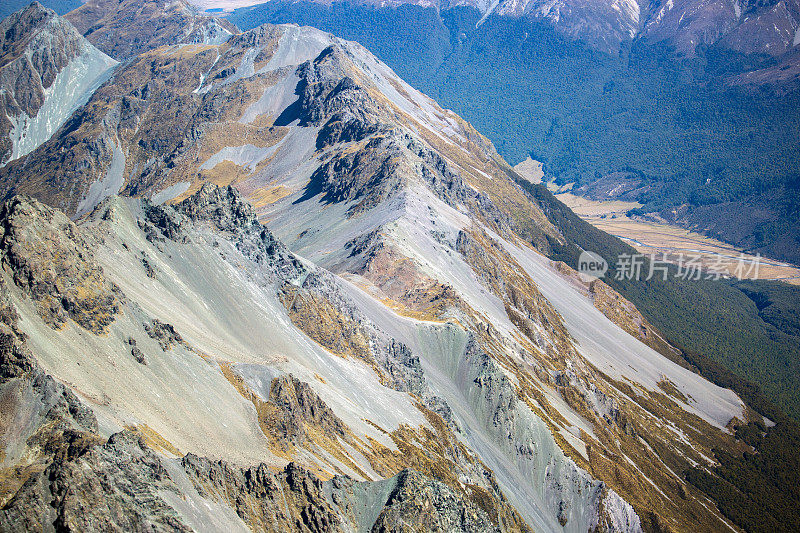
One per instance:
[(395, 313), (128, 28), (125, 460), (69, 476), (702, 128)]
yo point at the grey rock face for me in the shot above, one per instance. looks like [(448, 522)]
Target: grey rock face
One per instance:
[(411, 502), (123, 29), (68, 477), (165, 334), (51, 45), (298, 404), (226, 212), (36, 45), (330, 97), (89, 486)]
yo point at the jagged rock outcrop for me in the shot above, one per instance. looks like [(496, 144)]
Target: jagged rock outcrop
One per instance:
[(50, 261), (228, 213), (223, 207), (291, 500), (420, 504), (331, 98), (89, 485), (298, 405), (295, 500), (164, 334)]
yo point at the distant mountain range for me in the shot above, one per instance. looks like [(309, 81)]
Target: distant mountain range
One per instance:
[(756, 27)]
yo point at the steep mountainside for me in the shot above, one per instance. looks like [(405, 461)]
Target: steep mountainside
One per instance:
[(47, 70), (125, 28), (707, 140), (216, 390), (396, 315)]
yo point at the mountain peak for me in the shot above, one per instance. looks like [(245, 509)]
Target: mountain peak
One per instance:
[(47, 69), (222, 206), (20, 28), (123, 29)]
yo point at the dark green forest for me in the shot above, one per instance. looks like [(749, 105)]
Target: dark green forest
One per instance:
[(751, 328)]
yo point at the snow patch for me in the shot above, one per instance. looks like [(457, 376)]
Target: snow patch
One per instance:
[(666, 8), (629, 9), (203, 75), (488, 11)]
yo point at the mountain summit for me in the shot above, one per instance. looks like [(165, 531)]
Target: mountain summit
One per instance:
[(126, 28), (47, 70)]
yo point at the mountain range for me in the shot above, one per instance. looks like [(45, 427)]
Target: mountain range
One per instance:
[(257, 281), (688, 108), (768, 27)]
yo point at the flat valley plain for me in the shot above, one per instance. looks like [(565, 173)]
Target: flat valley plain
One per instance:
[(678, 245)]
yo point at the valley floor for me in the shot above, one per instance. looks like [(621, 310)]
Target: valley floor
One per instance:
[(655, 238)]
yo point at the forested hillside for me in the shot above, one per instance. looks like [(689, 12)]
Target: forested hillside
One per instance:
[(751, 328)]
